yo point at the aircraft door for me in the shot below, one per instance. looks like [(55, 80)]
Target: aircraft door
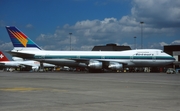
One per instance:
[(102, 57), (154, 58), (131, 58)]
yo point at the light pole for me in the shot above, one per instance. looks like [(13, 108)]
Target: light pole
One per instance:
[(70, 40), (135, 42), (141, 34)]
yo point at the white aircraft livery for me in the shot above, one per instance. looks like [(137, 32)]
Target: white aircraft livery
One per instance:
[(32, 65), (24, 47)]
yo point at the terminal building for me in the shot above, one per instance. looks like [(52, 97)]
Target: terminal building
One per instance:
[(111, 47), (174, 50)]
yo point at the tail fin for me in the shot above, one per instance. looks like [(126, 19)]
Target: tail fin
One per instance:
[(3, 57), (20, 40)]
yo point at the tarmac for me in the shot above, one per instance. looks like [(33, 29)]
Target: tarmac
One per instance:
[(79, 91)]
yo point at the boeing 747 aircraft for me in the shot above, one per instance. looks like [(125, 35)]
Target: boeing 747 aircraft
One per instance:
[(94, 60), (29, 64)]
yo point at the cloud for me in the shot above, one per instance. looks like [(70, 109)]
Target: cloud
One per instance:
[(6, 46), (161, 26), (176, 42), (161, 19), (86, 33), (162, 13), (163, 44), (29, 26), (158, 45)]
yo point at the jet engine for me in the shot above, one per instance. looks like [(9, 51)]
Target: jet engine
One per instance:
[(17, 59), (115, 66), (95, 64), (35, 68)]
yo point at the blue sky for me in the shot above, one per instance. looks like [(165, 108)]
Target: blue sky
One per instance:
[(92, 22)]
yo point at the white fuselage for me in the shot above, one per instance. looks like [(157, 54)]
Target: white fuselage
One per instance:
[(29, 63), (142, 57)]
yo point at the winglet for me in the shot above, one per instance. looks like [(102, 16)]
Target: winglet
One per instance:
[(3, 57), (20, 40)]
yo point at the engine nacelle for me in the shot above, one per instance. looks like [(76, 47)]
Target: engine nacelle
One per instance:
[(95, 65), (115, 66), (35, 68), (17, 59)]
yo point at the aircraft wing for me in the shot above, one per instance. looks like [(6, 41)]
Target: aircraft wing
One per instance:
[(24, 65), (100, 60), (81, 60), (107, 61)]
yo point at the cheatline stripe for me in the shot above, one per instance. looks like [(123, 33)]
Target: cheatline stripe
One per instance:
[(106, 57)]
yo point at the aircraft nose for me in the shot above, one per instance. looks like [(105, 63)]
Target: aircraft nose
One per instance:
[(173, 59)]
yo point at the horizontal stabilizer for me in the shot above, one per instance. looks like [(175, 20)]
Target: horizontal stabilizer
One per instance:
[(22, 55)]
